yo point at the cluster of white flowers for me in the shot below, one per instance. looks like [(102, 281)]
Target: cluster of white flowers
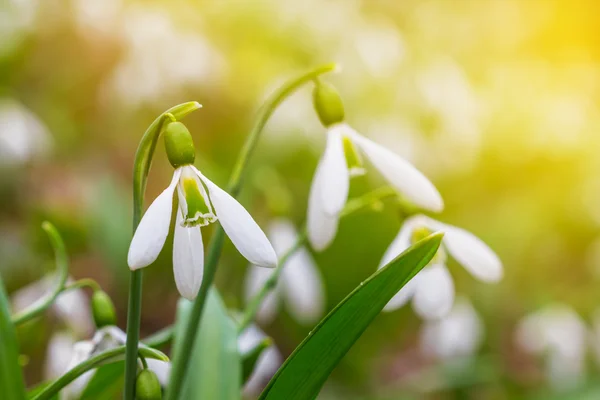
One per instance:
[(560, 336)]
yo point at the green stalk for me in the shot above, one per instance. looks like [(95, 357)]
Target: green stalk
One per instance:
[(141, 168), (353, 206), (106, 357), (235, 185), (62, 268)]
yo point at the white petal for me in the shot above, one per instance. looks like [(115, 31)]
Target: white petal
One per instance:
[(255, 280), (243, 231), (335, 180), (303, 288), (401, 174), (434, 295), (404, 295), (58, 355), (188, 259), (320, 225), (459, 334), (402, 240), (162, 369), (472, 253), (151, 233)]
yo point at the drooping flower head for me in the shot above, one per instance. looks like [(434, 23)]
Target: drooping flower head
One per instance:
[(342, 159), (200, 203), (266, 365), (458, 334), (558, 334), (300, 283), (432, 289)]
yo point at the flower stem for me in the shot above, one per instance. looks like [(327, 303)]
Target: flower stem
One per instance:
[(62, 267), (81, 283), (106, 357), (141, 168), (235, 185), (353, 206)]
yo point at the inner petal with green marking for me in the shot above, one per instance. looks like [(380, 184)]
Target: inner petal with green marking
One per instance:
[(194, 201), (421, 232), (353, 158)]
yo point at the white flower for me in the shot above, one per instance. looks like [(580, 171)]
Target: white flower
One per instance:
[(432, 289), (266, 365), (64, 354), (329, 190), (559, 334), (299, 283), (201, 202), (72, 306), (458, 334)]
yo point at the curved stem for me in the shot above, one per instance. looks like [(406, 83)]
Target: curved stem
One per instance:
[(235, 184), (62, 267), (81, 283), (106, 357), (141, 168), (353, 206)]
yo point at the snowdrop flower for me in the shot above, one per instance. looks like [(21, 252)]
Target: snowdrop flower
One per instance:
[(299, 283), (432, 289), (266, 365), (201, 202), (341, 160), (458, 334), (63, 354), (559, 334), (72, 306)]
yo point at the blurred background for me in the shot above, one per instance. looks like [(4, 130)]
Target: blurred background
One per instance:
[(496, 101)]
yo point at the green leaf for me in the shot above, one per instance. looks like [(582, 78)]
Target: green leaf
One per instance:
[(306, 370), (106, 383), (11, 380), (32, 393), (215, 367)]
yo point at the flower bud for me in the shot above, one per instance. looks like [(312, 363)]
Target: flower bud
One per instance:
[(179, 144), (103, 309), (147, 386), (328, 104)]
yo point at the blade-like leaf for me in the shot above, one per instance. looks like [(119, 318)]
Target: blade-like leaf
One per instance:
[(215, 368), (11, 380), (106, 383), (306, 370)]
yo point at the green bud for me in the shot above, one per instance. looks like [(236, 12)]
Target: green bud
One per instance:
[(179, 144), (328, 104), (103, 309), (147, 386)]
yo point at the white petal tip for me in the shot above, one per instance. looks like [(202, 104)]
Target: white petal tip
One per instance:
[(135, 264)]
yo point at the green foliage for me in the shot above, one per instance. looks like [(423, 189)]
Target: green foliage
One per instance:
[(215, 368), (106, 383), (306, 370), (11, 380)]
